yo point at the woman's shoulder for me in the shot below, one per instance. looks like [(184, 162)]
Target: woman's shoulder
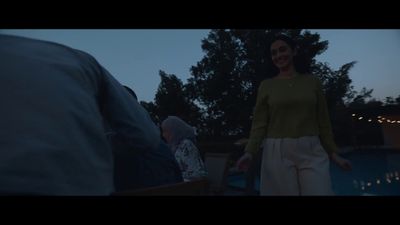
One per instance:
[(265, 83), (268, 80), (186, 146), (311, 78), (305, 75), (308, 76)]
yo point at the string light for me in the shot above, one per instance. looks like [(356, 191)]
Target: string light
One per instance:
[(379, 119), (391, 177)]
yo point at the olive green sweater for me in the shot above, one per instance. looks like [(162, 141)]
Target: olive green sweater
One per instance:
[(291, 108)]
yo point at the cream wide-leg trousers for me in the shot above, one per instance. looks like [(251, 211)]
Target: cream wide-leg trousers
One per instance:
[(295, 166)]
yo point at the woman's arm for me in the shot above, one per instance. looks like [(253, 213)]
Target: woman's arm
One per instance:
[(325, 129), (323, 120), (260, 121)]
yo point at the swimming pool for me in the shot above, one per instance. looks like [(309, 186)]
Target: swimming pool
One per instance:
[(374, 172)]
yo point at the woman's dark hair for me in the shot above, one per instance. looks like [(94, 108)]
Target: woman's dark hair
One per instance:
[(292, 44)]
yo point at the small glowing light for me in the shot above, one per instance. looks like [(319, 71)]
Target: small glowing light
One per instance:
[(362, 188), (380, 121), (389, 181), (393, 121), (397, 178), (398, 121), (369, 120), (379, 117), (360, 118), (369, 184), (378, 181), (353, 114), (388, 120)]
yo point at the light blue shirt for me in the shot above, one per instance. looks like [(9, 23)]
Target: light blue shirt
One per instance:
[(54, 101)]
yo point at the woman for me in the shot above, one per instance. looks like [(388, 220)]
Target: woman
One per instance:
[(181, 138), (292, 123)]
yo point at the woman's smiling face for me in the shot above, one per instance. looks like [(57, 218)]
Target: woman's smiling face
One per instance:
[(282, 54)]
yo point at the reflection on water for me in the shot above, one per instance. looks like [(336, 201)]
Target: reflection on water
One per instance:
[(375, 172), (390, 178)]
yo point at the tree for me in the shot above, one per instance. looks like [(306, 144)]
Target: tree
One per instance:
[(374, 103), (172, 99), (398, 100), (216, 84), (360, 99), (336, 84), (390, 101)]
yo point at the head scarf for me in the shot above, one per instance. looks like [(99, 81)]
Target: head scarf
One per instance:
[(179, 130)]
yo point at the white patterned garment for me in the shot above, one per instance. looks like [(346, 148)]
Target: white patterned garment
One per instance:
[(189, 160)]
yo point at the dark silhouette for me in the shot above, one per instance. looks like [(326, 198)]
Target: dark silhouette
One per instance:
[(57, 105), (153, 167)]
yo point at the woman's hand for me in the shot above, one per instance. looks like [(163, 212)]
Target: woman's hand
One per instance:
[(341, 162), (244, 162)]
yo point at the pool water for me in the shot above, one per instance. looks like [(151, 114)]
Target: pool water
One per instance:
[(374, 172)]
